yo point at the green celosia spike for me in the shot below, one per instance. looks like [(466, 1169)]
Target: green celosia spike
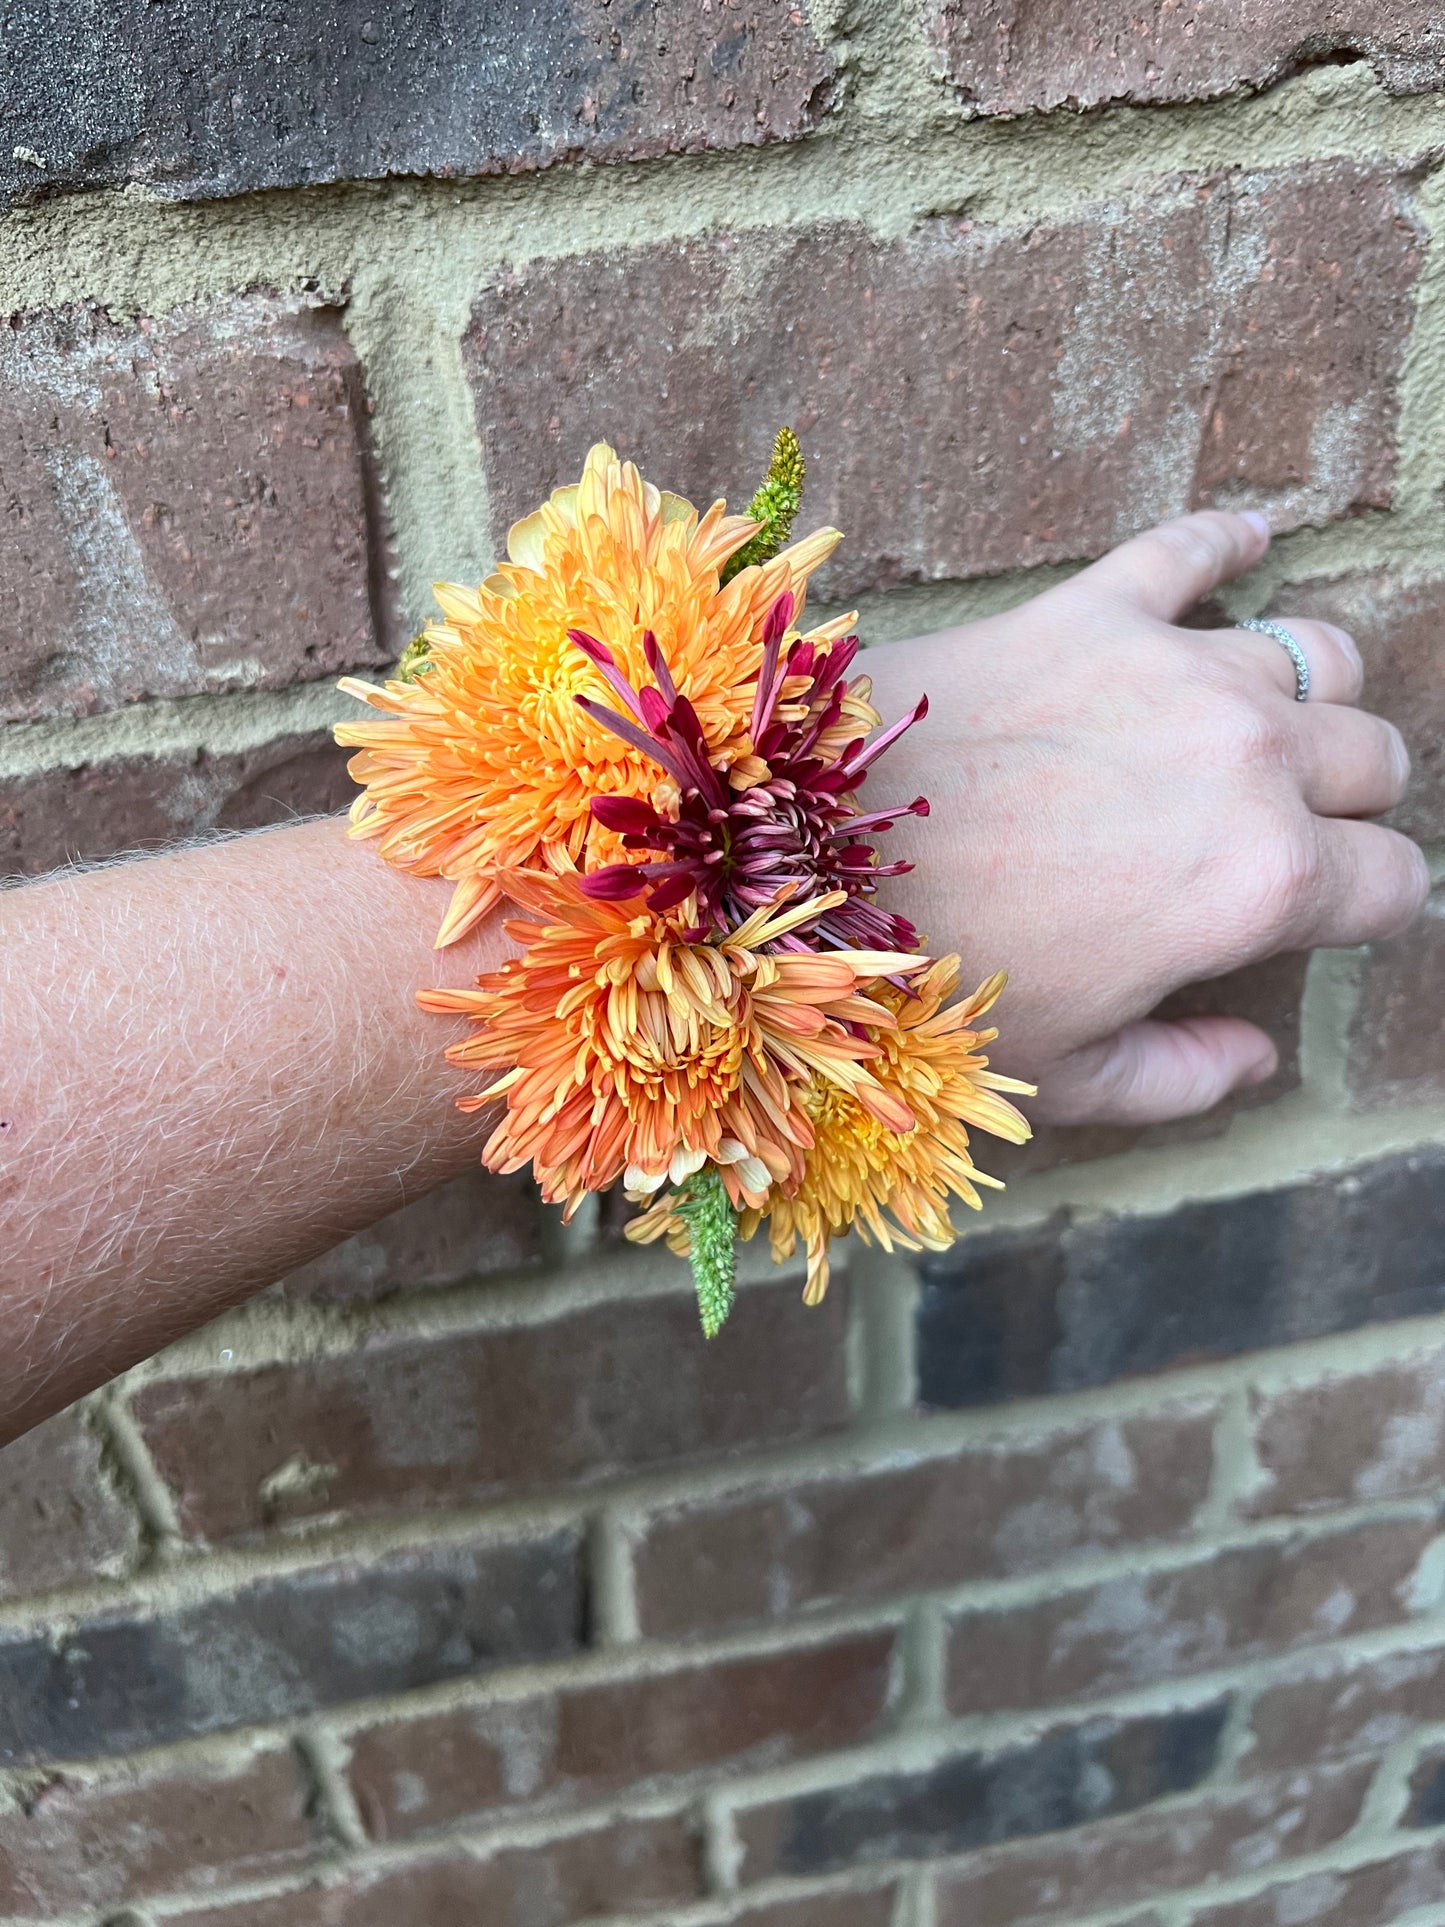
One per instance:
[(775, 505), (706, 1209), (414, 659)]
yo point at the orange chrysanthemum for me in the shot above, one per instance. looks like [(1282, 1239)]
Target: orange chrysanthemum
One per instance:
[(631, 1051), (485, 762)]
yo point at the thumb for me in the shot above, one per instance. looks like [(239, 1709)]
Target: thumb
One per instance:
[(1151, 1072)]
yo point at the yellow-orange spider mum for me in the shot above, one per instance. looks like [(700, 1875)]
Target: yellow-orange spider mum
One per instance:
[(631, 1051), (484, 762)]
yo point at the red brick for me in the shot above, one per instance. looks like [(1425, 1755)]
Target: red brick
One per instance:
[(1397, 1032), (128, 1832), (1060, 53), (633, 1865), (473, 1228), (408, 1422), (1343, 1707), (145, 803), (588, 1741), (1234, 339), (1227, 1833), (1351, 1437), (61, 1520), (1016, 1505), (1237, 1605), (1372, 1896), (190, 505), (1398, 621)]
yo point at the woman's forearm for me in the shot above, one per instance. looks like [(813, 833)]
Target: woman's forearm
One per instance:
[(211, 1068)]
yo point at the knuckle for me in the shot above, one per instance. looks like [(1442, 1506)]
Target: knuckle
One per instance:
[(1247, 736), (1194, 542), (1278, 882)]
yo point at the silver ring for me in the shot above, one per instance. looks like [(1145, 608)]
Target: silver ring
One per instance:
[(1286, 641)]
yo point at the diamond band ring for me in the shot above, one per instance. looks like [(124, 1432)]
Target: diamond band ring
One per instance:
[(1286, 641)]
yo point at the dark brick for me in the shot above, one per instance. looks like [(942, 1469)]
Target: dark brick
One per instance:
[(588, 1741), (220, 102), (1397, 1032), (462, 1418), (1373, 1896), (1220, 1836), (1058, 53), (61, 1520), (1240, 1604), (1343, 1707), (1351, 1437), (190, 505), (288, 1645), (1078, 1302), (1398, 622), (873, 1908), (632, 1864), (472, 1228), (1068, 1775), (1234, 339), (1016, 1505), (1426, 1806), (145, 803), (137, 1830)]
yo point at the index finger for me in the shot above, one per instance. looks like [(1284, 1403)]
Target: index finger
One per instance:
[(1165, 572)]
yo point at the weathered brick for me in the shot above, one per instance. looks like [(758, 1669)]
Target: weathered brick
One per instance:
[(1057, 53), (61, 1520), (1015, 1505), (1397, 1032), (1223, 1834), (1351, 1437), (287, 1645), (1426, 1807), (1376, 1895), (146, 802), (1064, 1777), (138, 1830), (1076, 1302), (1343, 1707), (1230, 339), (216, 102), (1397, 620), (190, 505), (454, 1420), (1240, 1604), (630, 1865), (588, 1741), (472, 1228), (871, 1908)]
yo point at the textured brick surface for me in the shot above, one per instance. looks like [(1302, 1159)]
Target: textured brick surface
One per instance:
[(1397, 1034), (589, 1741), (635, 1864), (1351, 1438), (288, 1645), (874, 1908), (61, 1520), (1064, 1777), (145, 802), (1342, 1707), (1236, 1605), (982, 1513), (189, 505), (1216, 1837), (1070, 1304), (1213, 340), (472, 1228), (462, 1418), (1376, 1895), (1008, 58), (1399, 622), (216, 102), (81, 1844)]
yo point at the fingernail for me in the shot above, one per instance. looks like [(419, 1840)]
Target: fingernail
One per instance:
[(1257, 521), (1347, 645)]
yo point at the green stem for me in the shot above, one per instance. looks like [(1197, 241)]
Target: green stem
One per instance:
[(706, 1209)]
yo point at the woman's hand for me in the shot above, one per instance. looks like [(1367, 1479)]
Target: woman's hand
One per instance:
[(1121, 807)]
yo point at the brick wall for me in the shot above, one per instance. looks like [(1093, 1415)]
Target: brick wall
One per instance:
[(1092, 1573)]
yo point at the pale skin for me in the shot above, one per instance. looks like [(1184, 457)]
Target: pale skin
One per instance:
[(212, 1068)]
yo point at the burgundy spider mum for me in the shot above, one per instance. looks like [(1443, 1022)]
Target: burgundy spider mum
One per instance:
[(785, 817)]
